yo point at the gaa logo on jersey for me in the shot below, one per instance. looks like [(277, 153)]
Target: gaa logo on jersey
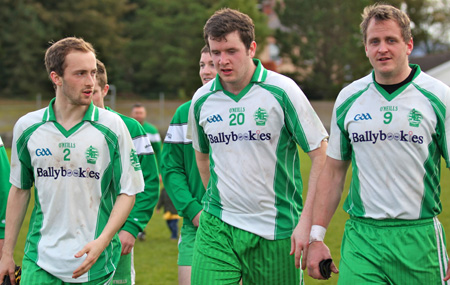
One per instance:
[(260, 117), (43, 152), (362, 117), (214, 118), (414, 118), (91, 155)]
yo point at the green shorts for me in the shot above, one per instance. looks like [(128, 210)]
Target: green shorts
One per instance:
[(186, 245), (33, 274), (125, 273), (224, 254), (393, 252)]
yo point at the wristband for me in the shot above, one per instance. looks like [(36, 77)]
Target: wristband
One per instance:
[(317, 233)]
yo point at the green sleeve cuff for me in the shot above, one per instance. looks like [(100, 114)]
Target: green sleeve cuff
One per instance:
[(193, 209), (131, 228)]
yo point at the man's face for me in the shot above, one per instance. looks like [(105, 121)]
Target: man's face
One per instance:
[(233, 61), (139, 114), (207, 70), (387, 51), (99, 95), (77, 83)]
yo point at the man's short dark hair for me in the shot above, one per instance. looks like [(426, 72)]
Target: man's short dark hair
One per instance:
[(225, 21)]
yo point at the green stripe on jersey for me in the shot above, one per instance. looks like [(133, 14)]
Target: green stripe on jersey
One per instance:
[(202, 139), (26, 174), (354, 195), (341, 113), (34, 234)]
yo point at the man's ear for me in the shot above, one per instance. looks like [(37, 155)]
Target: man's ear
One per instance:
[(56, 79), (105, 90)]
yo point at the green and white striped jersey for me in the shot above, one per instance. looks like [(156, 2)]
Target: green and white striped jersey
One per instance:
[(395, 142), (179, 168), (252, 142), (77, 175)]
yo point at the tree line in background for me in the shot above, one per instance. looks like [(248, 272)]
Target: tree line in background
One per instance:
[(153, 46)]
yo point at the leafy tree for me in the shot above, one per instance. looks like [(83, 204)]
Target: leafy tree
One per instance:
[(166, 39), (98, 22), (22, 40), (322, 37)]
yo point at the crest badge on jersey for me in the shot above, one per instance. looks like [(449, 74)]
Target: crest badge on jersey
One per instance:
[(261, 116), (91, 155), (134, 160), (414, 118)]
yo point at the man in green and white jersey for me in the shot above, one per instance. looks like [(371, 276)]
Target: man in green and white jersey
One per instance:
[(85, 172), (4, 190), (139, 113), (393, 126), (145, 201), (245, 126), (181, 177)]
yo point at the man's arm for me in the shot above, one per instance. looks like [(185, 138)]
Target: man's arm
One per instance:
[(328, 195), (93, 249), (203, 166), (175, 178), (16, 209), (300, 236)]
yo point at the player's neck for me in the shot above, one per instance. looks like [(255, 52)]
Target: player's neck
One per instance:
[(68, 115), (237, 86)]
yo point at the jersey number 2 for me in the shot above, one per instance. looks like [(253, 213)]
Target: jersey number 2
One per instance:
[(67, 154)]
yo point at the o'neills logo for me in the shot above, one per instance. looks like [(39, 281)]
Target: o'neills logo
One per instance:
[(63, 172), (374, 137), (233, 137)]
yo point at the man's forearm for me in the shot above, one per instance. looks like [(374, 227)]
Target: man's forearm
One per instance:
[(318, 157), (119, 215), (203, 167), (15, 213), (329, 191)]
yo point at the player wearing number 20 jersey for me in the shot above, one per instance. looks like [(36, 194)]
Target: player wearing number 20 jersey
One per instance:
[(252, 142), (410, 127), (91, 164)]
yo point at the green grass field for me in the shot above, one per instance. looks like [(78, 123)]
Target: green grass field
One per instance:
[(156, 257)]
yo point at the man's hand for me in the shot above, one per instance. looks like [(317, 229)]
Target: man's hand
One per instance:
[(196, 219), (300, 243), (447, 275), (7, 268), (127, 241), (317, 252), (93, 250)]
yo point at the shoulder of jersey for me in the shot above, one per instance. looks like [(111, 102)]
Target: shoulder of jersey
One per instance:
[(354, 87), (31, 118)]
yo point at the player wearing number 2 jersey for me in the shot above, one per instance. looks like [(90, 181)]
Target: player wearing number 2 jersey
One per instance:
[(85, 172)]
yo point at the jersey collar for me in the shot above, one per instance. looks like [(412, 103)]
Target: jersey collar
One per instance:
[(259, 76), (390, 97), (90, 115)]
